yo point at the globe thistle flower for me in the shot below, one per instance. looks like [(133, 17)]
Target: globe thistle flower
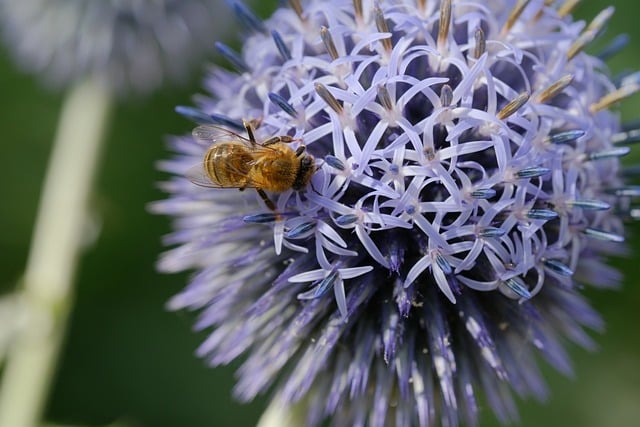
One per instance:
[(468, 186), (128, 45)]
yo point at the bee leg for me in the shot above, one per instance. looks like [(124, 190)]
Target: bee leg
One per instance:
[(267, 201), (279, 138), (248, 125), (300, 150)]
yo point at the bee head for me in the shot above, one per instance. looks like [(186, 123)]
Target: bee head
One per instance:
[(307, 168)]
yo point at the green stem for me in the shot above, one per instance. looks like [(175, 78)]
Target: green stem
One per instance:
[(56, 244)]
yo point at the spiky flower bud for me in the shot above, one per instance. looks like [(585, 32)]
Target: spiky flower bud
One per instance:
[(468, 184), (128, 45)]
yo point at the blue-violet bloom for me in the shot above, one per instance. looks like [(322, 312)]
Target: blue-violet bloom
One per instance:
[(468, 186)]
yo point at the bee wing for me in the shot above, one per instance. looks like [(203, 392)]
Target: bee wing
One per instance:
[(212, 134), (199, 176)]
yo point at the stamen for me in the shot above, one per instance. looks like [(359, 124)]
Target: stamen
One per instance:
[(335, 162), (282, 48), (221, 119), (603, 235), (517, 285), (514, 15), (616, 46), (247, 17), (542, 214), (381, 25), (513, 106), (283, 104), (300, 230), (483, 193), (327, 40), (443, 264), (322, 287), (328, 98), (567, 8), (200, 117), (385, 98), (558, 267), (446, 95), (565, 137), (492, 232), (193, 114), (297, 7), (232, 57), (592, 30), (532, 172), (609, 153), (347, 219), (445, 23), (630, 85), (263, 218), (589, 205), (481, 43), (357, 9), (555, 89), (601, 19), (547, 3), (578, 46)]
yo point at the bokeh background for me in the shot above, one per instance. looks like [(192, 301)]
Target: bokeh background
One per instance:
[(127, 359)]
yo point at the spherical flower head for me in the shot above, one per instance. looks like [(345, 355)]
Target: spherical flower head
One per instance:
[(467, 186), (129, 45)]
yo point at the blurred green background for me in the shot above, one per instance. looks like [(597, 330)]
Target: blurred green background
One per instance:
[(126, 358)]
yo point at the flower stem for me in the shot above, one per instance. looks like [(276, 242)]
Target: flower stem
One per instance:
[(278, 414), (56, 244)]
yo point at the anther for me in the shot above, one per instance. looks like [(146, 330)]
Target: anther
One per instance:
[(381, 25), (384, 97), (481, 43), (445, 23), (514, 15), (282, 48), (554, 89), (327, 40), (328, 98), (513, 106)]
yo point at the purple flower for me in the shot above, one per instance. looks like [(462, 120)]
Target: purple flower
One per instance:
[(468, 185), (128, 45)]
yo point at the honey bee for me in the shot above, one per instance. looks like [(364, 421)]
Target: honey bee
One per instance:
[(235, 161)]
